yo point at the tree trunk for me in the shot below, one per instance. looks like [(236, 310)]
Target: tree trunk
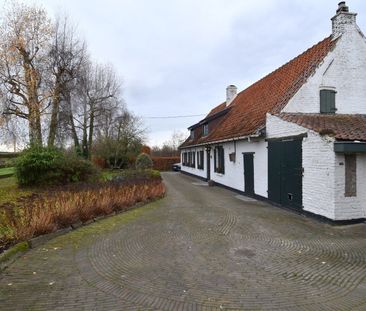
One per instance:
[(74, 133), (91, 133), (84, 143), (35, 130), (56, 99), (34, 113)]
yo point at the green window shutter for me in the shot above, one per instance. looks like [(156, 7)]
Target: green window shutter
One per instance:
[(327, 101)]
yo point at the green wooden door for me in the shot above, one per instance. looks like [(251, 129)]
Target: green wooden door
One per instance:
[(248, 173), (285, 172)]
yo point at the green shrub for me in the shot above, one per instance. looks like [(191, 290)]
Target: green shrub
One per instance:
[(42, 165), (154, 174), (129, 175), (76, 169), (143, 162), (39, 165)]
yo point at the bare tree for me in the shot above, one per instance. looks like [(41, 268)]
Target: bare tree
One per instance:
[(170, 147), (124, 140), (25, 33), (97, 96), (67, 55)]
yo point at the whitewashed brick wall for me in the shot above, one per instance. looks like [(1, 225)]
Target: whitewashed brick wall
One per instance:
[(344, 69), (324, 174), (318, 160), (350, 207)]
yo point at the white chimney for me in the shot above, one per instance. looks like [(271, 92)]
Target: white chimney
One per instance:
[(343, 21), (231, 92)]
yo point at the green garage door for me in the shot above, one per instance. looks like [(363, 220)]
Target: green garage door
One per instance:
[(285, 172)]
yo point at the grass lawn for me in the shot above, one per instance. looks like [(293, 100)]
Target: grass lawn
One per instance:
[(6, 171), (9, 190)]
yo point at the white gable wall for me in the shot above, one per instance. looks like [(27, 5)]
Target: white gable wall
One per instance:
[(343, 69)]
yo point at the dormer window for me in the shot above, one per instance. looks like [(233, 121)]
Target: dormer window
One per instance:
[(327, 101), (205, 129), (192, 134)]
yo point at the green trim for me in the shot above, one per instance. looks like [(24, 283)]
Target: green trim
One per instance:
[(349, 147)]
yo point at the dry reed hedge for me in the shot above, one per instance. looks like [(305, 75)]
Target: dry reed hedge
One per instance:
[(164, 163), (59, 209)]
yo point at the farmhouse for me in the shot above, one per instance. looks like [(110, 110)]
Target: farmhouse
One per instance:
[(297, 137)]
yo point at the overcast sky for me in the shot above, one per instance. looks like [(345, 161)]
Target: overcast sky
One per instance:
[(176, 57)]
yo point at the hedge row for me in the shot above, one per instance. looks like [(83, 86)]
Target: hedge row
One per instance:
[(164, 163)]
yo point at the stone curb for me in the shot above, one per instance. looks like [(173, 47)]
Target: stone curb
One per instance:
[(13, 253), (42, 239)]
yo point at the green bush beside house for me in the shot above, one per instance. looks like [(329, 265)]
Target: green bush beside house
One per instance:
[(50, 166)]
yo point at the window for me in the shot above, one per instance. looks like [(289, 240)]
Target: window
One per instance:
[(200, 159), (205, 129), (189, 159), (192, 134), (219, 160), (327, 101), (193, 159), (350, 175), (184, 160)]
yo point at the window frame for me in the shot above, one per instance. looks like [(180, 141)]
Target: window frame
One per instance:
[(184, 159), (219, 160), (193, 159), (200, 160), (205, 130), (192, 134)]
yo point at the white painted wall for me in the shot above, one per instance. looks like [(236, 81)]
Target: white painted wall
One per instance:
[(318, 160), (234, 171), (324, 174), (195, 171), (343, 69), (350, 207)]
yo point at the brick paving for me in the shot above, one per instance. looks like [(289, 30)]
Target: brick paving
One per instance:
[(200, 248)]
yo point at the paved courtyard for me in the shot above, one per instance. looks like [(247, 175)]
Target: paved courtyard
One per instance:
[(200, 248)]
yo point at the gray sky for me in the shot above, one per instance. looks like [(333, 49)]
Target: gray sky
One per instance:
[(177, 57)]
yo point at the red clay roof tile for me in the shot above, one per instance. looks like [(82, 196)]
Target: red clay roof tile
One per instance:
[(268, 95), (340, 126)]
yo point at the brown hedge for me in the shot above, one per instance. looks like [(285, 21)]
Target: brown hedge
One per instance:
[(164, 163)]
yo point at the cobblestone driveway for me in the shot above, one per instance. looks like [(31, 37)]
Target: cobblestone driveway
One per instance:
[(200, 248)]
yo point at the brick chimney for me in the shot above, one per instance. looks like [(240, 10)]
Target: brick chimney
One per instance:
[(231, 92), (343, 21)]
